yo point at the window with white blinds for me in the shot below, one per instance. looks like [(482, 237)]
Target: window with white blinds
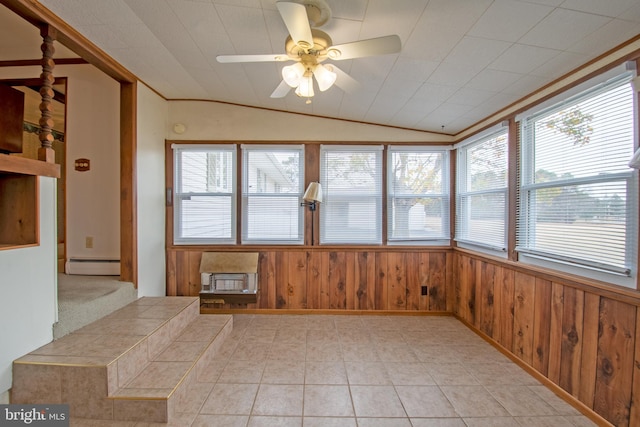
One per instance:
[(205, 188), (417, 194), (578, 197), (351, 209), (272, 185), (481, 208)]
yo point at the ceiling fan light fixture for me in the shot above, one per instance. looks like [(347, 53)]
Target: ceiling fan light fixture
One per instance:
[(325, 77), (305, 88), (292, 74)]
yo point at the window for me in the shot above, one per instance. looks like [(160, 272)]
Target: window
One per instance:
[(351, 209), (578, 197), (481, 217), (418, 194), (205, 188), (273, 181)]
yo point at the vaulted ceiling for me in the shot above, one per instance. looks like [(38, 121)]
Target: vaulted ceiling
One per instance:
[(461, 60)]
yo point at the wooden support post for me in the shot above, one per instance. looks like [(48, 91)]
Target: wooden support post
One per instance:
[(45, 152)]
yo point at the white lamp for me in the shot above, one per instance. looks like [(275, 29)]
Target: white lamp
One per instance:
[(324, 76), (292, 74), (305, 88), (313, 194)]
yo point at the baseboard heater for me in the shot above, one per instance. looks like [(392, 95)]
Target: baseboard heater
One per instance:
[(93, 267)]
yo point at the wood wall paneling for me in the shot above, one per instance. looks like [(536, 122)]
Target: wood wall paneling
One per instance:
[(588, 365), (571, 347), (266, 280), (332, 279), (634, 416), (505, 310), (555, 337), (486, 285), (586, 343), (381, 281), (614, 371), (541, 326), (365, 281), (397, 281), (524, 304), (337, 280)]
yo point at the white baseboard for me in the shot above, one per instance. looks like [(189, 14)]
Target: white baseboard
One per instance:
[(93, 267)]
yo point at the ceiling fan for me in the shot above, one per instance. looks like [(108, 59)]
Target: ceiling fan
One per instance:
[(309, 47)]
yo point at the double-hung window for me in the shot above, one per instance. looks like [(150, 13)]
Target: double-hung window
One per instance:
[(481, 208), (417, 194), (205, 194), (351, 209), (578, 197), (272, 184)]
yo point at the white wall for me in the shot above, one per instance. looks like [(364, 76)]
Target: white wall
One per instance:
[(28, 276), (219, 121), (28, 290), (93, 132), (152, 118)]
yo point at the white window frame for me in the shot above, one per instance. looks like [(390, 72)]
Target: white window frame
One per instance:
[(443, 195), (294, 196), (179, 196), (462, 215), (332, 196), (621, 276)]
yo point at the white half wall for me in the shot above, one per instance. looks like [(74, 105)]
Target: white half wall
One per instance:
[(28, 285), (152, 124)]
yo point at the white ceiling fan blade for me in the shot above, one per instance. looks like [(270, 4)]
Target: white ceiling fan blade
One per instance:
[(371, 47), (295, 18), (253, 58), (281, 91), (344, 81)]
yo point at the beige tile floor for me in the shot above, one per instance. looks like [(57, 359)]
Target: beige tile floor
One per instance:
[(363, 371)]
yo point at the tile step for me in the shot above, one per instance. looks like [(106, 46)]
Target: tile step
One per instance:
[(133, 364)]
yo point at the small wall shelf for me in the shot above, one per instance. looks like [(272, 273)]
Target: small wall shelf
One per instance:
[(19, 199)]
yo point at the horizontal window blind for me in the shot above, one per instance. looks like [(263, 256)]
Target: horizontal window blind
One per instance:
[(273, 180), (351, 209), (578, 197), (205, 187), (481, 209), (418, 194)]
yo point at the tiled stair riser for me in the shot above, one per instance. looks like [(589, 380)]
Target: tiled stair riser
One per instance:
[(149, 409), (100, 392)]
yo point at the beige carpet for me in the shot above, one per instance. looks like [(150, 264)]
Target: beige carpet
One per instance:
[(84, 299)]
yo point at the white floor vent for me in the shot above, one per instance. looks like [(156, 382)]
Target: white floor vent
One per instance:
[(93, 267)]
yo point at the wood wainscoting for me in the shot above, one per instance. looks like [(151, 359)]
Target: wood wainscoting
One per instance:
[(582, 337), (334, 279)]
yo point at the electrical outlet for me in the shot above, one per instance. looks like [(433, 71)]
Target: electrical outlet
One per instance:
[(88, 242), (424, 290)]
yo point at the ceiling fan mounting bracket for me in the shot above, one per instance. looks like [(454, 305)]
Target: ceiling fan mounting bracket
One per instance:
[(318, 11)]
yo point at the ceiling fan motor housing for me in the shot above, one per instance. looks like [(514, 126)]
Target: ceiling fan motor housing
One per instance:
[(321, 42)]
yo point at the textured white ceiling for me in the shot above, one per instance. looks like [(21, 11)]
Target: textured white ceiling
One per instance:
[(461, 60)]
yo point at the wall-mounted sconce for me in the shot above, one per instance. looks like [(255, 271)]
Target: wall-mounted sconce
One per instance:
[(311, 198)]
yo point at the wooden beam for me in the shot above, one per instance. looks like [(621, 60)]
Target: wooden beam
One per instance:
[(128, 181), (33, 62), (34, 12)]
